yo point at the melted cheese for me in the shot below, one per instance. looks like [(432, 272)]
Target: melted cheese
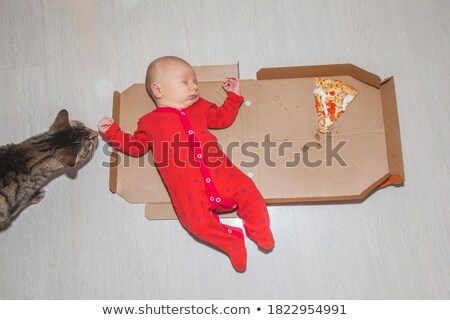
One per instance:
[(323, 99), (346, 101)]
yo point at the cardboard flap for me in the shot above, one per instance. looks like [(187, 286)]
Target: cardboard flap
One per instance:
[(159, 211), (216, 73), (114, 154), (165, 211), (330, 70), (392, 131)]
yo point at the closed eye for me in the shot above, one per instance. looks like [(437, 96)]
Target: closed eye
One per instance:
[(190, 81)]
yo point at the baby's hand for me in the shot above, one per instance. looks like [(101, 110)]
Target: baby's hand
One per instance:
[(231, 84), (104, 124)]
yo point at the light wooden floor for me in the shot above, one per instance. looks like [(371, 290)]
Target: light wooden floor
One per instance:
[(83, 242)]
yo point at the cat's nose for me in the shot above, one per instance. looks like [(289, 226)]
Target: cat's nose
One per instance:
[(94, 134)]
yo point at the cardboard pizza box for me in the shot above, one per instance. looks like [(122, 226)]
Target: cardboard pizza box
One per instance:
[(275, 139)]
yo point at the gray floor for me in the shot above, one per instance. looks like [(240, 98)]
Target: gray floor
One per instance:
[(82, 241)]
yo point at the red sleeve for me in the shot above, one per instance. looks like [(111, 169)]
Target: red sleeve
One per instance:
[(135, 145), (222, 117)]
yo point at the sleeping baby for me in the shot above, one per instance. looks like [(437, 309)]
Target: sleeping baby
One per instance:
[(199, 188)]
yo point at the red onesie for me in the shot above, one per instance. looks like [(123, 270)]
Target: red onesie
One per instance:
[(201, 180)]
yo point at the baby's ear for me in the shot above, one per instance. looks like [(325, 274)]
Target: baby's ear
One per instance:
[(156, 90)]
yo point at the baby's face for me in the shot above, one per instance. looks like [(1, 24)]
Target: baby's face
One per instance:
[(179, 86)]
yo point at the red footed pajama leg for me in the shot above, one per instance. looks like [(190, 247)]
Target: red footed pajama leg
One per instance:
[(230, 240), (257, 222), (253, 211), (224, 238)]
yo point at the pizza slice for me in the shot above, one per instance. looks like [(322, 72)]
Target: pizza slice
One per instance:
[(332, 98)]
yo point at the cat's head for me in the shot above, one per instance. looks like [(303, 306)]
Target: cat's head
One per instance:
[(71, 141)]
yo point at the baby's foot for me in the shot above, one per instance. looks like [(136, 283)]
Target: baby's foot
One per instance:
[(238, 256), (239, 265), (263, 237)]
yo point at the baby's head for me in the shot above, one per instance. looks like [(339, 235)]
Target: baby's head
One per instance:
[(172, 82)]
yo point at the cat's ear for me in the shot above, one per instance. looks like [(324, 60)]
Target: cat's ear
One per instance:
[(62, 120), (66, 157)]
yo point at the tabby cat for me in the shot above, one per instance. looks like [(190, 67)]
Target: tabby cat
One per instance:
[(25, 168)]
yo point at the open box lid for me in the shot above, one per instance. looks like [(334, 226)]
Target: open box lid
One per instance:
[(280, 102), (388, 99)]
